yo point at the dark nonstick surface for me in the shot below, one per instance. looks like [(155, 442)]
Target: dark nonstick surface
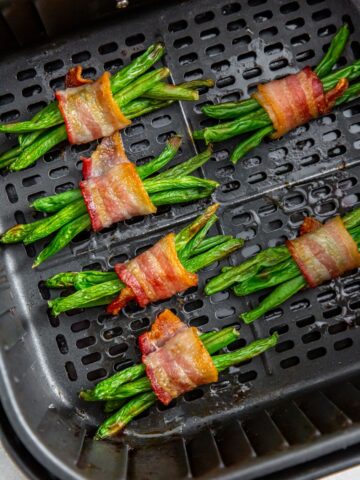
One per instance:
[(297, 402)]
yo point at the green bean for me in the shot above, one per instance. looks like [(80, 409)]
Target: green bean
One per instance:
[(334, 52), (217, 253), (275, 298), (352, 72), (165, 91), (232, 275), (26, 139), (224, 131), (83, 298), (112, 405), (352, 219), (141, 85), (185, 168), (142, 106), (37, 149), (350, 94), (209, 243), (137, 67), (54, 203), (169, 152), (180, 196), (197, 84), (62, 238), (8, 157), (187, 233), (250, 143), (79, 280), (268, 278), (189, 248), (18, 233), (142, 402), (56, 221), (155, 185), (231, 110)]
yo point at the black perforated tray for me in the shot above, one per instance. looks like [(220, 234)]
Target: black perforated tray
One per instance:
[(297, 402)]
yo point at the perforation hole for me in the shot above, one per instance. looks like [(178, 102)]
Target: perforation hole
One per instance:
[(118, 349), (108, 48), (284, 346), (62, 344), (80, 326), (81, 57), (278, 64), (338, 328), (58, 83), (26, 74), (140, 324), (6, 99), (304, 56), (199, 321), (53, 66), (135, 40), (332, 312), (85, 342), (193, 395), (305, 322), (230, 186), (204, 17), (71, 371), (209, 33), (326, 31), (236, 25), (91, 358), (31, 181), (113, 65), (321, 14), (194, 74), (195, 305), (36, 107), (96, 374), (177, 26), (11, 193), (295, 23), (247, 376), (183, 42), (215, 50), (342, 344), (289, 362), (316, 353), (311, 336), (262, 17), (280, 329), (289, 8), (112, 333), (9, 116), (188, 59)]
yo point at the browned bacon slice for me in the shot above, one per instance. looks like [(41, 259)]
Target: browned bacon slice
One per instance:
[(176, 360), (327, 252), (90, 111), (295, 99)]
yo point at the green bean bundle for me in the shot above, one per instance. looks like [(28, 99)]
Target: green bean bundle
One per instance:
[(194, 249), (249, 116), (273, 267), (136, 90), (132, 382), (68, 214)]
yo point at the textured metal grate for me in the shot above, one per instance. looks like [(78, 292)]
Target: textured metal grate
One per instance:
[(237, 423)]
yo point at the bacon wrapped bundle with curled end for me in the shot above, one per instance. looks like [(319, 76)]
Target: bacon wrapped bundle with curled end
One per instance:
[(74, 77), (295, 99), (326, 252), (113, 190), (156, 274), (109, 152), (176, 360), (90, 111)]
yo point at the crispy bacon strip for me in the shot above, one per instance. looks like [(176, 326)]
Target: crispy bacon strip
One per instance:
[(325, 253), (117, 195), (155, 274), (74, 77), (309, 225), (295, 99), (90, 111), (109, 152), (175, 358)]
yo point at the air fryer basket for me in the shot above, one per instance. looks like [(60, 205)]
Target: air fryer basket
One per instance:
[(297, 402)]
